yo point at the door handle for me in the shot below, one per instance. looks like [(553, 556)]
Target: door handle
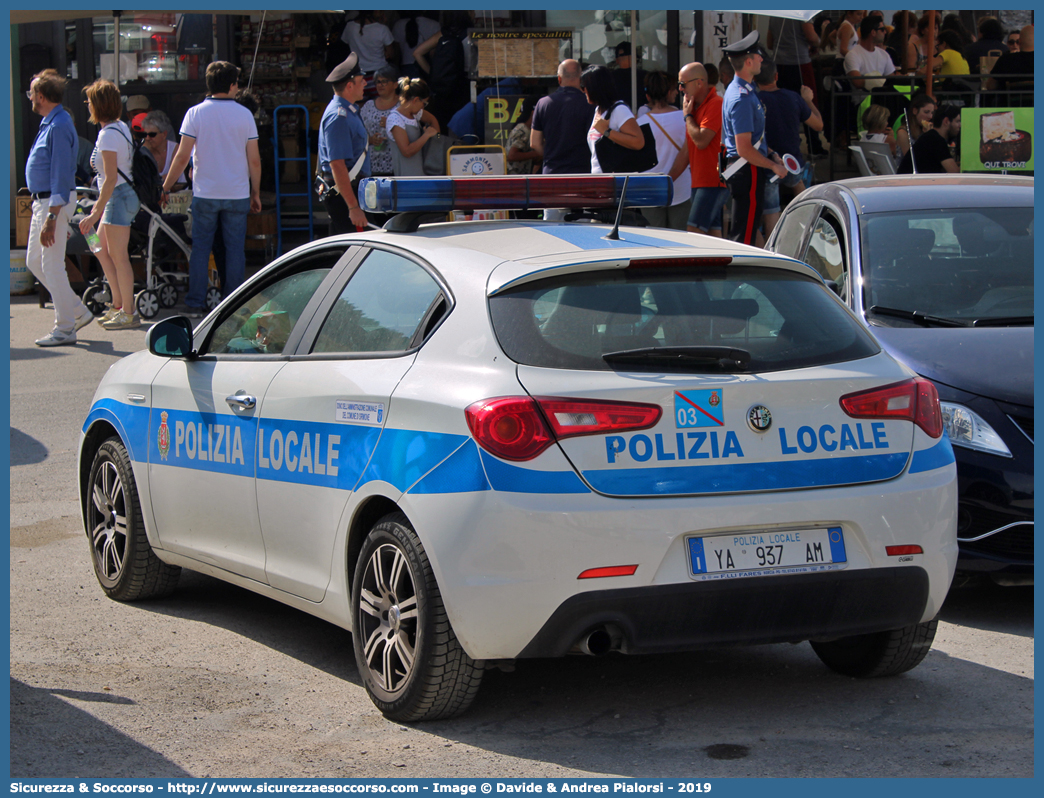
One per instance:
[(240, 401)]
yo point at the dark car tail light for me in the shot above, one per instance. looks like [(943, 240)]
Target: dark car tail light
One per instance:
[(916, 400), (520, 427)]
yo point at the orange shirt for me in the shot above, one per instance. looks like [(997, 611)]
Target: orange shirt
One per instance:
[(704, 163)]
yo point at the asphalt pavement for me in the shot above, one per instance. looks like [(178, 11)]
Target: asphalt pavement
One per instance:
[(216, 681)]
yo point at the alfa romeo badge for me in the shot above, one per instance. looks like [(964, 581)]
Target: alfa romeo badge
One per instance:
[(759, 418)]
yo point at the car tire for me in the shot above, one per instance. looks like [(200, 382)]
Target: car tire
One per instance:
[(878, 654), (126, 566), (409, 659)]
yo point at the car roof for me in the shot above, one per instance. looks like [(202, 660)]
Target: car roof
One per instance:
[(914, 192), (531, 247)]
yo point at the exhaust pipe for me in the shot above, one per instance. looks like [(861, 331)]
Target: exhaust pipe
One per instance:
[(596, 642)]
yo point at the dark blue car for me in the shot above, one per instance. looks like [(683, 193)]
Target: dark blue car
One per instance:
[(940, 268)]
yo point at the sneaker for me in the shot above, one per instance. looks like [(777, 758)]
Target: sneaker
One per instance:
[(57, 338), (110, 311), (83, 320), (193, 313), (121, 321)]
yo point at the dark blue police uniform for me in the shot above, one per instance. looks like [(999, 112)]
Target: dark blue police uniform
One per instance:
[(342, 136), (743, 112)]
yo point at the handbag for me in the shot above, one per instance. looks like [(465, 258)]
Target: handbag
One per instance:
[(613, 157)]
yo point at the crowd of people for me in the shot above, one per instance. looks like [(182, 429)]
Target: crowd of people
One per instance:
[(398, 90)]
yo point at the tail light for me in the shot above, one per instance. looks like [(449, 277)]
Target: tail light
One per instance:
[(915, 400), (521, 427)]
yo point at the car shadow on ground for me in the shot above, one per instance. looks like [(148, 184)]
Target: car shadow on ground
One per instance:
[(982, 604), (53, 738), (26, 449), (282, 628), (721, 712)]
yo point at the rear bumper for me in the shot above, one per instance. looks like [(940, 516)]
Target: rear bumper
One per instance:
[(781, 609)]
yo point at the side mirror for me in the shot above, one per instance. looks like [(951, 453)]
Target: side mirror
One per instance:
[(171, 338)]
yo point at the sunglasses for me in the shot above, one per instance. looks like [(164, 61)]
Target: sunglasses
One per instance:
[(681, 83), (1010, 41)]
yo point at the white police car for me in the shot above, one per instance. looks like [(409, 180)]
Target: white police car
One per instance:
[(473, 442)]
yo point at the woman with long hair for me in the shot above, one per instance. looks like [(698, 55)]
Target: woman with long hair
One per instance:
[(672, 153), (612, 119), (410, 126), (916, 48), (117, 203), (919, 119), (950, 49)]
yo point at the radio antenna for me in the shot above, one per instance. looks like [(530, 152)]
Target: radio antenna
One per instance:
[(614, 234)]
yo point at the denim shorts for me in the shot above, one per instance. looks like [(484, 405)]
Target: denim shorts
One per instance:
[(122, 206), (706, 207), (770, 204)]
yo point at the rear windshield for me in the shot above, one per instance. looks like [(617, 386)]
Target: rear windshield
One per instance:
[(969, 265), (781, 320)]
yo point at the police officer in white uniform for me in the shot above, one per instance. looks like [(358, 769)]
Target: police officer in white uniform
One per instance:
[(743, 135), (343, 158)]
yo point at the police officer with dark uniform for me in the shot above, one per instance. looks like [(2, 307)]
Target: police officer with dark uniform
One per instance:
[(748, 162), (343, 158)]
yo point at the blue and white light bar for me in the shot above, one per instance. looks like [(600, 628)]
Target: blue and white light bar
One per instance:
[(512, 192)]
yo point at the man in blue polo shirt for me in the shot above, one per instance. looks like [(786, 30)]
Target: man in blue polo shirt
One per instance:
[(748, 164), (50, 174), (343, 158)]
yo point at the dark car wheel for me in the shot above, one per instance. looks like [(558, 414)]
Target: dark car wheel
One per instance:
[(409, 659), (880, 653), (124, 562)]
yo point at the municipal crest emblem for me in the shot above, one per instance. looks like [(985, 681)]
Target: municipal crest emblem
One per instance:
[(163, 436), (714, 400)]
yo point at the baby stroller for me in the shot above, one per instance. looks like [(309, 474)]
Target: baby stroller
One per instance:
[(159, 239)]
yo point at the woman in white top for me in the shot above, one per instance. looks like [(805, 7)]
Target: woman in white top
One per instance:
[(372, 41), (672, 153), (117, 203), (848, 32), (160, 143), (410, 127), (612, 118)]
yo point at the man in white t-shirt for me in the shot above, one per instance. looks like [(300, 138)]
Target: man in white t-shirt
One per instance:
[(226, 180), (868, 58)]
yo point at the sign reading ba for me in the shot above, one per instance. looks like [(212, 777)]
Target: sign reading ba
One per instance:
[(500, 116), (996, 139)]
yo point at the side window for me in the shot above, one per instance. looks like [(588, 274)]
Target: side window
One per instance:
[(262, 324), (791, 231), (826, 251), (381, 308)]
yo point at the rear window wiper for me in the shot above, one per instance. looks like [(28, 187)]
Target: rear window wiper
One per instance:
[(1004, 321), (720, 356), (916, 315)]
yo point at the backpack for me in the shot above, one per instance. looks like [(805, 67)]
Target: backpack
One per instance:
[(145, 176), (447, 64)]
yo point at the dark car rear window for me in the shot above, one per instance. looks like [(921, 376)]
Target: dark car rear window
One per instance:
[(782, 319)]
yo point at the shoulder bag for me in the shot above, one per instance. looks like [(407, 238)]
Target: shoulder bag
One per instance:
[(613, 157)]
